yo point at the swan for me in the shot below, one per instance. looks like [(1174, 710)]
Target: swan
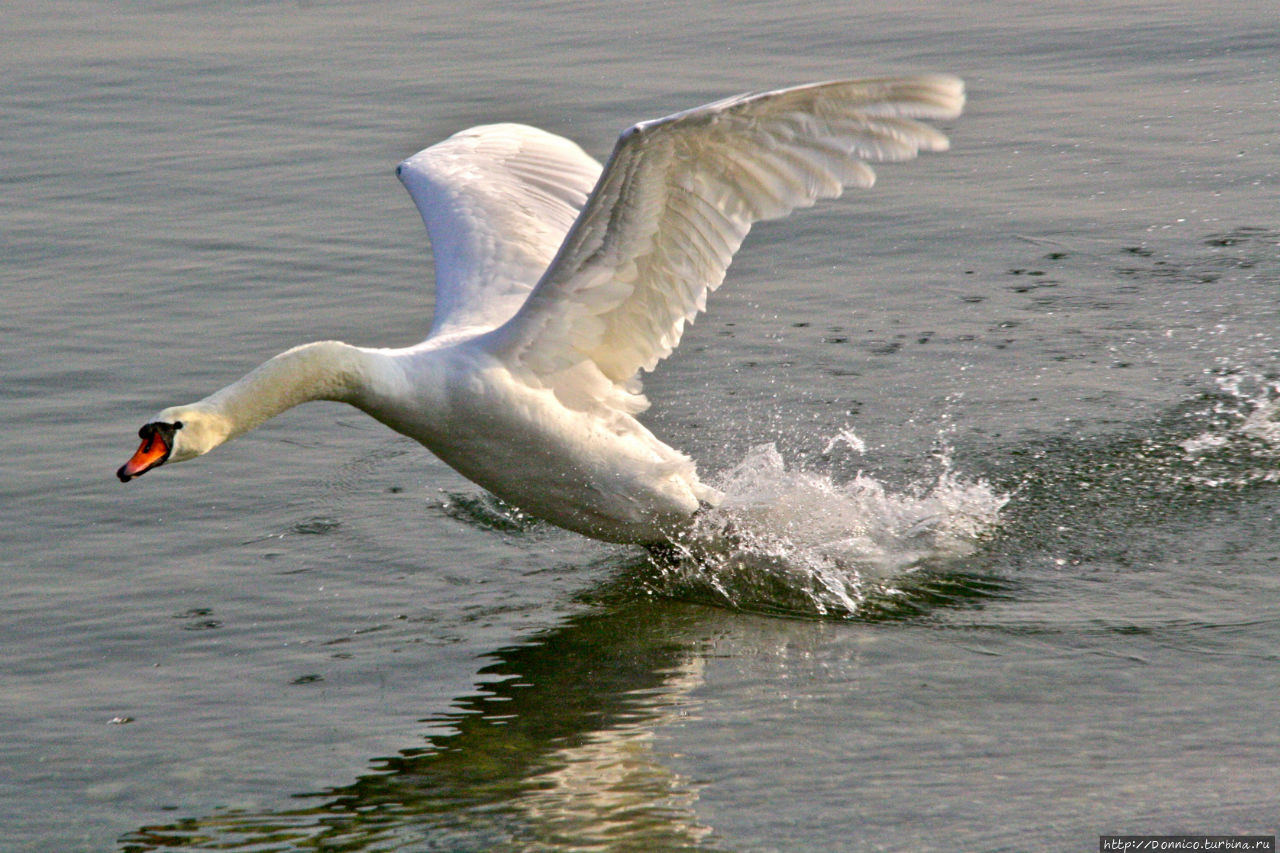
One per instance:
[(558, 282)]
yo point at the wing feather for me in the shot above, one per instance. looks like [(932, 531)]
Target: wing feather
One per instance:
[(497, 201), (675, 202)]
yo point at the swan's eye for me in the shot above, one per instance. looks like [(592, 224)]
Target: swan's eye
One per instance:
[(399, 170)]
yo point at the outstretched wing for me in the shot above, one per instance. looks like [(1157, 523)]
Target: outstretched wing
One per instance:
[(676, 200), (497, 201)]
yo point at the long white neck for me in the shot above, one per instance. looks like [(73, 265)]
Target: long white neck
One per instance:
[(324, 370)]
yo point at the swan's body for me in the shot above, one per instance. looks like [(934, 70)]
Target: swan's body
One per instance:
[(557, 283)]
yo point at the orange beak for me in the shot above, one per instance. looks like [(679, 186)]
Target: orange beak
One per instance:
[(157, 444)]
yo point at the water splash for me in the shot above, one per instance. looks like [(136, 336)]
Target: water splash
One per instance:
[(1102, 500), (847, 437), (797, 542), (1240, 444)]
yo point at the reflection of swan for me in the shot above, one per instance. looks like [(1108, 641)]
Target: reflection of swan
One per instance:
[(556, 752), (552, 296)]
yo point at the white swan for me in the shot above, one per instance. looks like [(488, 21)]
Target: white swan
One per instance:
[(557, 283)]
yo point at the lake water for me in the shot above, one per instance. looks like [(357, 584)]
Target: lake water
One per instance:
[(1036, 377)]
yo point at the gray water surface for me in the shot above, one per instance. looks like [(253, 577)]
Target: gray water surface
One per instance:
[(319, 637)]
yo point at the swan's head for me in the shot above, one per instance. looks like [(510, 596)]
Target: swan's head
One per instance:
[(176, 435)]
